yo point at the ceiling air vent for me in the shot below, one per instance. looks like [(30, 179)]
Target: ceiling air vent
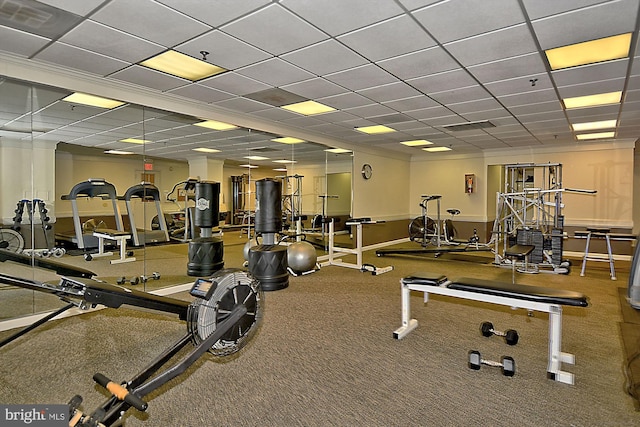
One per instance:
[(470, 126)]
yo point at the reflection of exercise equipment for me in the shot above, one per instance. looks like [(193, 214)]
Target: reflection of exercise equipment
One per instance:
[(292, 198), (90, 188), (206, 252), (268, 261), (45, 226), (221, 320), (11, 240), (532, 298), (633, 293), (182, 228), (359, 265), (147, 193)]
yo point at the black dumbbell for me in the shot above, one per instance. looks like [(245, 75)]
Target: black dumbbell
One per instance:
[(507, 364), (155, 275), (88, 257), (122, 280), (510, 335)]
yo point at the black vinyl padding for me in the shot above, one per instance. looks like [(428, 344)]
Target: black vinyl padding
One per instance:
[(518, 291), (501, 289)]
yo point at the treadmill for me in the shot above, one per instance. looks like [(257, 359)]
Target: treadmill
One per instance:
[(94, 187), (146, 192)]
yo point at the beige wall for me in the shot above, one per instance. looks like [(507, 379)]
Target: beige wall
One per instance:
[(386, 195)]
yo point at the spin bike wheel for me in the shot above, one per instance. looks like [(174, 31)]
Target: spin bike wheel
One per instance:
[(11, 240), (234, 287), (418, 232)]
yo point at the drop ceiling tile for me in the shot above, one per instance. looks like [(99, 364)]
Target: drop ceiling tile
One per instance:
[(631, 96), (149, 78), (425, 114), (458, 19), (275, 72), (80, 59), (605, 112), (169, 27), (390, 92), (201, 93), (314, 58), (338, 16), (525, 98), (337, 116), (96, 37), (540, 117), (442, 81), (520, 85), (234, 83), (345, 100), (215, 15), (536, 108), (274, 113), (605, 86), (480, 105), (275, 30), (372, 110), (393, 37), (505, 69), (464, 94), (20, 43), (362, 77), (79, 8), (438, 122), (412, 103), (304, 121), (548, 126), (315, 88), (491, 115), (501, 44), (224, 50), (603, 20), (240, 104), (591, 73), (421, 63), (540, 9)]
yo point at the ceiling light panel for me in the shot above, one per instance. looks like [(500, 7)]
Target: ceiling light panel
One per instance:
[(181, 65), (288, 140), (602, 124), (375, 130), (216, 125), (308, 108), (592, 100), (135, 141), (416, 143), (436, 149), (92, 100), (598, 135), (605, 49), (206, 150)]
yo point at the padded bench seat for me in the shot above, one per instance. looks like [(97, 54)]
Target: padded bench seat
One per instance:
[(532, 298)]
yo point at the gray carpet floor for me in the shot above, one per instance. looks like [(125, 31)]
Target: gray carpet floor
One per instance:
[(325, 356)]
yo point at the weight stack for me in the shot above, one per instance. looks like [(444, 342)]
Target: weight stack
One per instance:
[(268, 264), (206, 256)]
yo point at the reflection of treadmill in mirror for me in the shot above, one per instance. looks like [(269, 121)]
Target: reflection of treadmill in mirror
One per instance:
[(146, 192), (95, 187)]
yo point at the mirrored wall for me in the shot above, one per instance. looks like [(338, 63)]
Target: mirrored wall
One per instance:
[(71, 171)]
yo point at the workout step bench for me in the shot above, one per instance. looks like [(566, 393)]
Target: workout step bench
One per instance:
[(532, 298)]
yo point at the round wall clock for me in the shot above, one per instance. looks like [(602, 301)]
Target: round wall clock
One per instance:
[(367, 171)]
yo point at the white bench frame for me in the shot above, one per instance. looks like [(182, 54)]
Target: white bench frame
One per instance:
[(556, 356)]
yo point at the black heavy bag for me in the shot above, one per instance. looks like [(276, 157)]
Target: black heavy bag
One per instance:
[(268, 206), (207, 204)]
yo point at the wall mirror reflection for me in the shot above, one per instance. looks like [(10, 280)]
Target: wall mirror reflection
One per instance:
[(106, 187)]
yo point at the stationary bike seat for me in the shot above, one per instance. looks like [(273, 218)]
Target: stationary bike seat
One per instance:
[(454, 211)]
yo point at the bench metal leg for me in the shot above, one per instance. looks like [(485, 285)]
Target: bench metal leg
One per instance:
[(556, 356), (408, 324)]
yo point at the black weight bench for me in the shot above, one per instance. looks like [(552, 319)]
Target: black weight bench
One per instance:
[(532, 298)]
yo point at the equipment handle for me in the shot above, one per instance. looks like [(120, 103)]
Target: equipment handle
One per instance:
[(120, 392)]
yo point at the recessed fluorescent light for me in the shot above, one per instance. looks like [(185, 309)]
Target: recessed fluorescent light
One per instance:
[(206, 150), (280, 169), (308, 108), (216, 125), (135, 141), (288, 140), (604, 124), (117, 152), (599, 135), (436, 149), (92, 100), (256, 158), (606, 49), (284, 161), (337, 150), (375, 129), (249, 166), (416, 143), (178, 64), (592, 100)]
